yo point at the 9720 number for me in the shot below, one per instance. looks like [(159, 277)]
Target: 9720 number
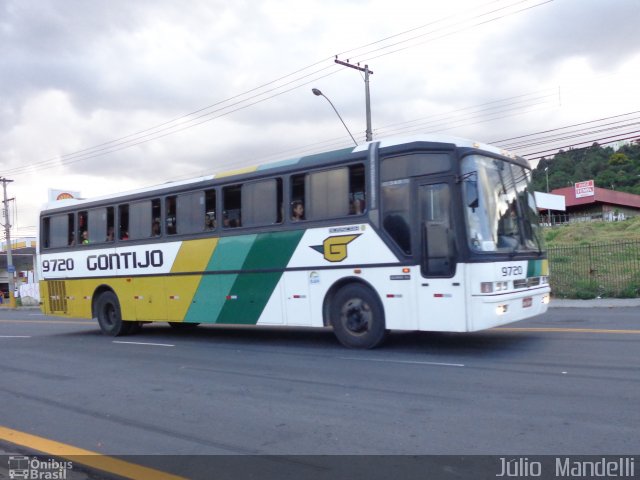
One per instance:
[(512, 271), (58, 265)]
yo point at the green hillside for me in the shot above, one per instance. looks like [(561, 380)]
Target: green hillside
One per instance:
[(614, 169)]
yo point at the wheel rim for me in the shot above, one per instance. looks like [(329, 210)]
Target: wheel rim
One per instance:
[(356, 316), (109, 315)]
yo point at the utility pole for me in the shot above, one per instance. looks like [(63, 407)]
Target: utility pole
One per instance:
[(11, 269), (367, 72)]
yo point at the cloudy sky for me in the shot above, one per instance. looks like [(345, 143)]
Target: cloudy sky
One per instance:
[(103, 96)]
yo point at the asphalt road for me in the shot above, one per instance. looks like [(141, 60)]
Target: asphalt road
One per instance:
[(564, 383)]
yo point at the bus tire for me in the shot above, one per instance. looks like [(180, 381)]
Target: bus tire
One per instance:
[(357, 317), (110, 316)]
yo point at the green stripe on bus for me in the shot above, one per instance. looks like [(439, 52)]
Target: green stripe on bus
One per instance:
[(212, 292), (535, 268), (251, 291), (241, 298)]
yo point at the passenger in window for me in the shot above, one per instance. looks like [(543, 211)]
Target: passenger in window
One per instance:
[(210, 221), (297, 211), (72, 240), (357, 207), (155, 229), (110, 234), (85, 237)]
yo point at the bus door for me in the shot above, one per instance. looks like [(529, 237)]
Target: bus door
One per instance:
[(441, 291)]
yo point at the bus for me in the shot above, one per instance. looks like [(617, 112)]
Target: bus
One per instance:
[(424, 233)]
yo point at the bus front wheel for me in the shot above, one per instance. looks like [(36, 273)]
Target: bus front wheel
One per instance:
[(110, 317), (357, 317)]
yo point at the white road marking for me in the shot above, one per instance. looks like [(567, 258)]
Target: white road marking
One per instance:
[(15, 336), (409, 362), (146, 343)]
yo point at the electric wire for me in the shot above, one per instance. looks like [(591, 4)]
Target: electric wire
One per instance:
[(196, 117)]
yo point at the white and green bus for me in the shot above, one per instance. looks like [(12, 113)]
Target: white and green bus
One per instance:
[(422, 234)]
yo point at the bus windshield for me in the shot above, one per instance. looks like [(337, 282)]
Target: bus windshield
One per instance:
[(500, 208)]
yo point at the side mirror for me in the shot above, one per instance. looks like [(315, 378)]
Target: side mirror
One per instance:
[(471, 194)]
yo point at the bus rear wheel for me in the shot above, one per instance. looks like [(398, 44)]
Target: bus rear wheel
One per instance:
[(109, 316), (357, 317)]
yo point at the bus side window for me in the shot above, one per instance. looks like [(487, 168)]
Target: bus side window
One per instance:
[(110, 224), (232, 205), (261, 202), (58, 231), (357, 205), (189, 212), (98, 224), (338, 192), (396, 210), (210, 220), (170, 215), (123, 222), (156, 215), (327, 194), (45, 233), (82, 236), (297, 207), (71, 231)]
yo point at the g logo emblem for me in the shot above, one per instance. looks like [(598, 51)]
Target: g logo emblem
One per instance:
[(334, 249)]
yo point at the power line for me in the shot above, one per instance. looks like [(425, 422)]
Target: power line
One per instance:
[(368, 59), (586, 143), (198, 117), (575, 134), (498, 142)]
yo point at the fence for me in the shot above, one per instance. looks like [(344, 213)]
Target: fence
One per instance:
[(549, 220), (600, 270)]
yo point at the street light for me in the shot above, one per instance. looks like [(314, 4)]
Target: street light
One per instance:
[(318, 93), (546, 171)]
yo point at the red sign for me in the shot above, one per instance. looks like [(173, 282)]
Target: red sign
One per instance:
[(585, 189)]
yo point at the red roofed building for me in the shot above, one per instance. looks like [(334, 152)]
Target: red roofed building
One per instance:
[(586, 200)]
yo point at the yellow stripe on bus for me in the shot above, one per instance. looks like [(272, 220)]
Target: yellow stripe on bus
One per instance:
[(239, 171), (84, 457), (193, 256)]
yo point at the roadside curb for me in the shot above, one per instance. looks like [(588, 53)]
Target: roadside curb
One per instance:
[(595, 303)]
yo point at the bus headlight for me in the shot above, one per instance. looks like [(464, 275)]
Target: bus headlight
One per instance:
[(486, 287), (490, 287)]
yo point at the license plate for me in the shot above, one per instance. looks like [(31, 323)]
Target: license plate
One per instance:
[(527, 302)]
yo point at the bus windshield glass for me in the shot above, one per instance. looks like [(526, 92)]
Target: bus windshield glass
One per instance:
[(500, 208)]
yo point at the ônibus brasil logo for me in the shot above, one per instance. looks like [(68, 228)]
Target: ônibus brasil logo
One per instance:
[(21, 466)]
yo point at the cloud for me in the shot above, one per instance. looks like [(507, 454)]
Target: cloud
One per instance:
[(78, 74), (600, 32)]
